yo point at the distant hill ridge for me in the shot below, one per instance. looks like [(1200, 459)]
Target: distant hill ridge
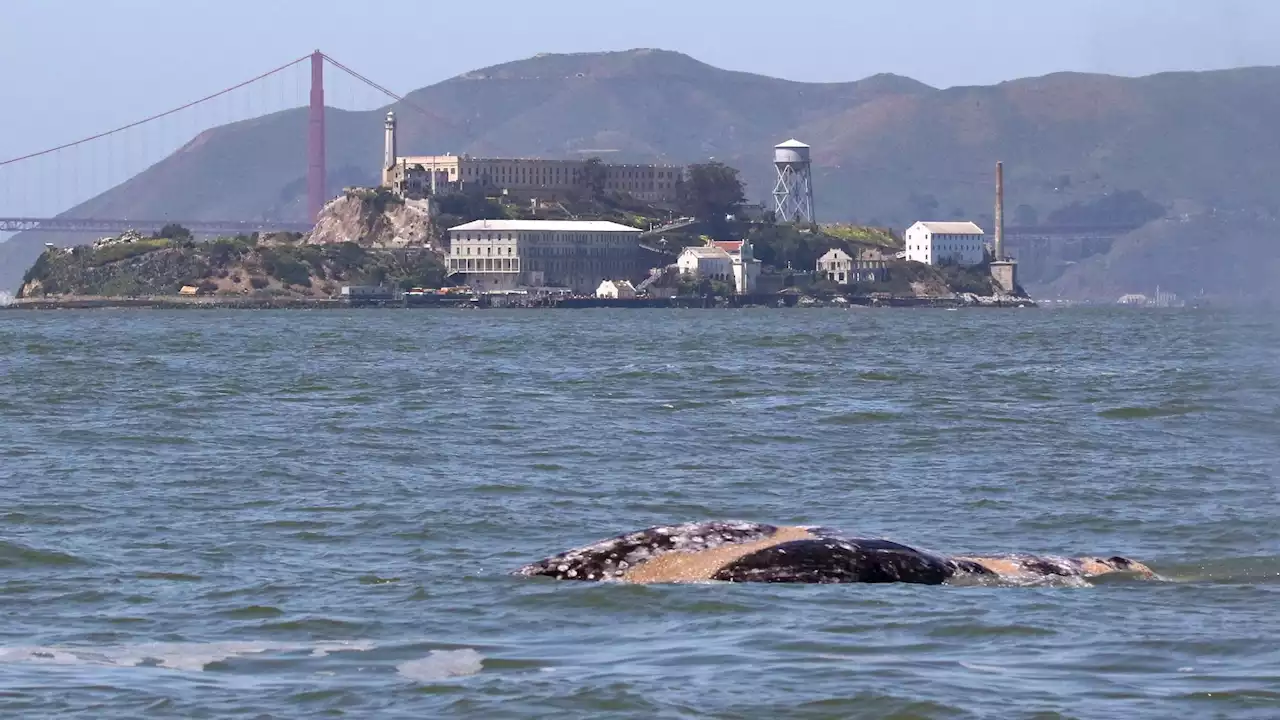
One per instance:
[(887, 150)]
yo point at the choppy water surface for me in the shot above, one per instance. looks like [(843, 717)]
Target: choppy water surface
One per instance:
[(295, 514)]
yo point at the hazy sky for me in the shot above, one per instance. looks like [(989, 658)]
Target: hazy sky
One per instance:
[(68, 69)]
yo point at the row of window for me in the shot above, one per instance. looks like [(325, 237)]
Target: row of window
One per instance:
[(515, 265), (542, 237), (536, 251), (485, 264)]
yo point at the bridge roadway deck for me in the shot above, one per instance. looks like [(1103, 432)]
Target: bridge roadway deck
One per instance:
[(198, 227)]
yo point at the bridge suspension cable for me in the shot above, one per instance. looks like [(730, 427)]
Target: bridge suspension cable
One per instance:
[(157, 116), (398, 98), (108, 153)]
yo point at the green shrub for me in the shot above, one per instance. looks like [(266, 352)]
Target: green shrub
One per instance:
[(124, 251), (285, 267), (122, 286), (258, 282)]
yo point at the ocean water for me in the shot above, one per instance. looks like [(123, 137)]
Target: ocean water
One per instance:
[(304, 514)]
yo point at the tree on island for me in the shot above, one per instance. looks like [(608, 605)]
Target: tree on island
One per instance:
[(173, 231), (710, 192), (594, 178)]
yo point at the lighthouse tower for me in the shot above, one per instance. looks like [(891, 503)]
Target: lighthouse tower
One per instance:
[(389, 150), (793, 195)]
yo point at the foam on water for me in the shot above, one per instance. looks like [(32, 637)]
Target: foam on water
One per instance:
[(192, 657), (442, 664)]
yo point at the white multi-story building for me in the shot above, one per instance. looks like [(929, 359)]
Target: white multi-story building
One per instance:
[(729, 261), (945, 243), (576, 254)]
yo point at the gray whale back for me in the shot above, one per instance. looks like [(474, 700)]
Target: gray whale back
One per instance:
[(830, 560), (728, 551)]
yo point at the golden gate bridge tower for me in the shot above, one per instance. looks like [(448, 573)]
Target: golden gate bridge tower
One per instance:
[(65, 188)]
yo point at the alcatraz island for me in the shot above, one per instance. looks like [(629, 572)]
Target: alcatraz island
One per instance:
[(456, 230)]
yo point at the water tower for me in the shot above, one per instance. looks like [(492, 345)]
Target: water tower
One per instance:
[(793, 195)]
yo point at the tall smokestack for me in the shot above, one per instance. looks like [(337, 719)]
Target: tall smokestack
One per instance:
[(999, 211)]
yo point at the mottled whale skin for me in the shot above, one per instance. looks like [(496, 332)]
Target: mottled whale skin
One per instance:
[(729, 551)]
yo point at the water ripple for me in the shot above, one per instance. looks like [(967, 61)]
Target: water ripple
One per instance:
[(300, 514)]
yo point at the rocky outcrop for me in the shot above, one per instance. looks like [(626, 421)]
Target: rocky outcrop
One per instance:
[(373, 218)]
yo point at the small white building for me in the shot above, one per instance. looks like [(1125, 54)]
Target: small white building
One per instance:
[(616, 289), (746, 268), (731, 261), (945, 243), (841, 268), (836, 265), (705, 261)]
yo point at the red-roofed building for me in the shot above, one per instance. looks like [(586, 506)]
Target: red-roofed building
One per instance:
[(726, 260)]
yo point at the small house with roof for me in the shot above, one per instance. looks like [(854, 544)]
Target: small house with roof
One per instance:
[(616, 290), (867, 264)]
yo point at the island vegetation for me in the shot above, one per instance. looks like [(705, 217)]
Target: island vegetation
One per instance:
[(276, 265)]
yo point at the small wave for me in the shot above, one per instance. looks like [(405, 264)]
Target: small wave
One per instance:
[(173, 576), (859, 418), (311, 624), (878, 376), (441, 664), (1143, 413), (191, 657), (17, 555), (683, 405), (377, 580), (253, 612)]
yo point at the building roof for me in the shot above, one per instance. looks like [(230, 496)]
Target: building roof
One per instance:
[(835, 254), (952, 228), (792, 143), (619, 284), (704, 251), (546, 226), (729, 246)]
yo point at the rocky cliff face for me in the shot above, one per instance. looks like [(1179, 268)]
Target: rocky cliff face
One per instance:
[(373, 219)]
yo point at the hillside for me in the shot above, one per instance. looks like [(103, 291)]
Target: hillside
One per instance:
[(1221, 256), (149, 267), (887, 150), (362, 238)]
